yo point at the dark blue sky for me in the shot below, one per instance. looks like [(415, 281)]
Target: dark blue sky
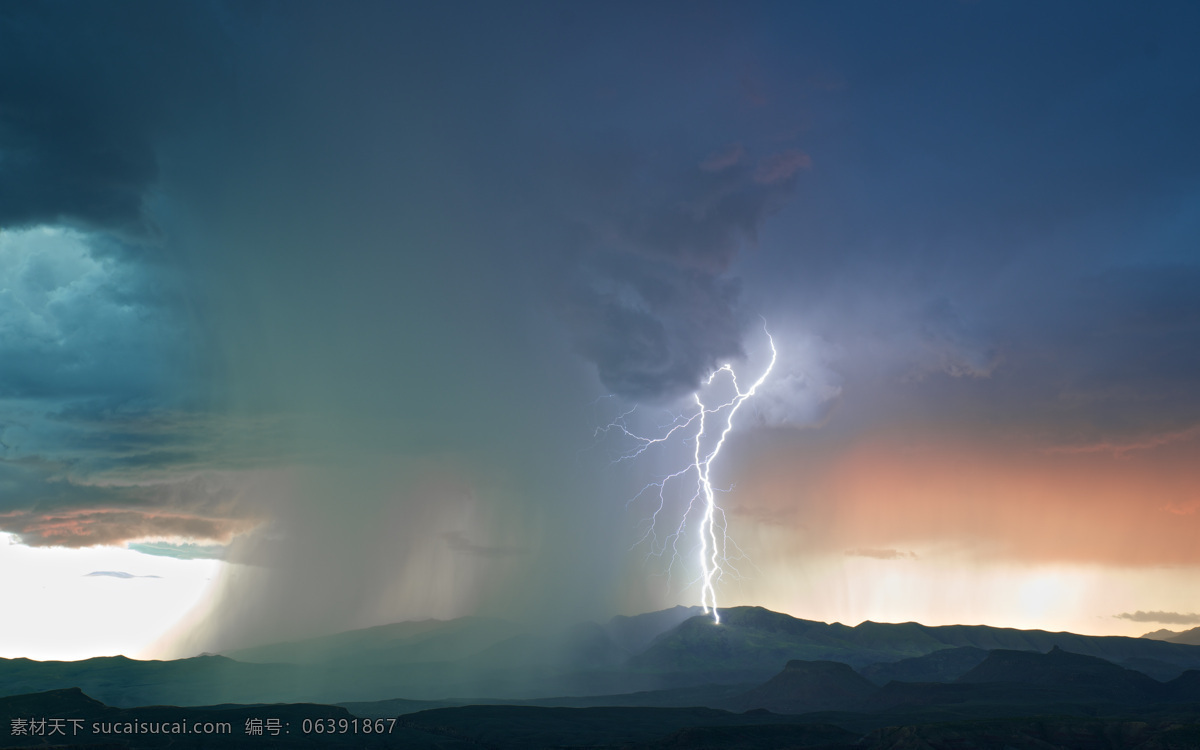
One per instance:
[(338, 286)]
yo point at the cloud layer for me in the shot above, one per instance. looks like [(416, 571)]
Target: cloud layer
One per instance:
[(1168, 618)]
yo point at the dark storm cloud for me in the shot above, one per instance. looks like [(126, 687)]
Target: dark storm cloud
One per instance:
[(97, 443), (103, 365), (653, 305), (657, 332), (80, 320), (100, 367), (86, 92), (1141, 320), (1003, 234), (1103, 358)]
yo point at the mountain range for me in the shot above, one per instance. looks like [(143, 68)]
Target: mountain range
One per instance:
[(669, 679), (1012, 699), (474, 659)]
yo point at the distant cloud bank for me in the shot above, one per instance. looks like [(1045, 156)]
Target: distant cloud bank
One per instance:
[(1170, 618)]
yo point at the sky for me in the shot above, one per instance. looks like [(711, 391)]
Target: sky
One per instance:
[(319, 317)]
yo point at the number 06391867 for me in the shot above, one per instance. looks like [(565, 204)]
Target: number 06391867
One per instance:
[(348, 726)]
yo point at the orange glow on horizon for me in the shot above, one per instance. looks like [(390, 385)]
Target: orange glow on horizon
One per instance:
[(996, 501)]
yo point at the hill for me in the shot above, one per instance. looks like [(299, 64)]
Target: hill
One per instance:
[(806, 686), (945, 665), (1189, 637), (416, 642), (1083, 677)]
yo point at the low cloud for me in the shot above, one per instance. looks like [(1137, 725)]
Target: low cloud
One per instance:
[(115, 574), (1183, 509), (1168, 618), (90, 527), (186, 551), (1144, 443), (44, 507)]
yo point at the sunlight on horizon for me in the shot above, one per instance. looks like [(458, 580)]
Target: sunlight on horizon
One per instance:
[(1083, 599), (58, 611)]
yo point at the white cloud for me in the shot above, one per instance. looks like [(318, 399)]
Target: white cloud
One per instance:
[(1169, 618)]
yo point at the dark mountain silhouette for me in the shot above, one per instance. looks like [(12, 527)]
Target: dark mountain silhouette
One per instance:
[(68, 701), (1160, 635), (1003, 683), (752, 641), (584, 646), (1112, 648), (416, 642), (1048, 733), (525, 727), (938, 701), (1185, 688), (710, 696), (945, 665), (1189, 637), (119, 681), (763, 736), (419, 661), (805, 686), (634, 633), (1011, 699), (1081, 677), (1159, 670)]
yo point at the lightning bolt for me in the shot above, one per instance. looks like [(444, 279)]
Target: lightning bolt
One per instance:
[(707, 427)]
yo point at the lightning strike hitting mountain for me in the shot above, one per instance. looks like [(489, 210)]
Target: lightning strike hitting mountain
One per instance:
[(712, 425)]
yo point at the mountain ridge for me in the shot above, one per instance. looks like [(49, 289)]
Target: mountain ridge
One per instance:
[(682, 651), (1188, 637)]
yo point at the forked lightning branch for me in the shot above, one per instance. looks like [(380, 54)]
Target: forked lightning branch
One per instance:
[(705, 428)]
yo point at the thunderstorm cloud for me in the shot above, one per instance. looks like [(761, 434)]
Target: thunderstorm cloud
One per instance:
[(652, 302), (329, 290)]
